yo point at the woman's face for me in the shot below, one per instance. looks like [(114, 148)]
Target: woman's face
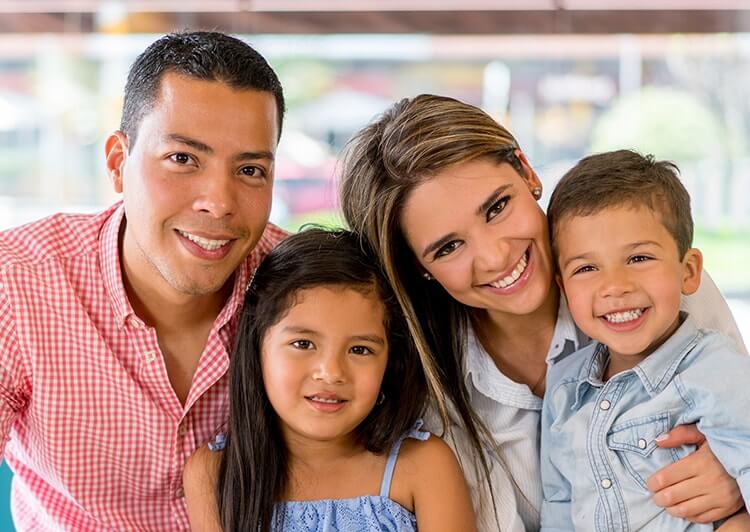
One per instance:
[(477, 229)]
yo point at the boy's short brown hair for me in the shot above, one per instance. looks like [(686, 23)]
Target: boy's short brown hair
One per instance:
[(624, 177)]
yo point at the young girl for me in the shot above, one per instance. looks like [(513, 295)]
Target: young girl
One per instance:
[(449, 202), (325, 393)]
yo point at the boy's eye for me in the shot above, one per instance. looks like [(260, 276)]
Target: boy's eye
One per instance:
[(303, 344), (497, 207), (638, 258), (584, 269), (448, 248), (361, 350)]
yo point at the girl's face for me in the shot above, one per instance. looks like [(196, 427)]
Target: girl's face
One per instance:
[(323, 362), (477, 229)]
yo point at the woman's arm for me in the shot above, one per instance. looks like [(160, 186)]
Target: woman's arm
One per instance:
[(199, 482), (441, 497)]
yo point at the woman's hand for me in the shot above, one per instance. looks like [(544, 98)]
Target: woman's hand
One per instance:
[(697, 487)]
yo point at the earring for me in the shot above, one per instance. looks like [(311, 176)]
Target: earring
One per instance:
[(428, 277), (536, 192), (381, 399)]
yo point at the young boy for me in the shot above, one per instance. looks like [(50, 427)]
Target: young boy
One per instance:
[(621, 233)]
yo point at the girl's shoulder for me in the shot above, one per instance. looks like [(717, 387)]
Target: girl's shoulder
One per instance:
[(202, 468)]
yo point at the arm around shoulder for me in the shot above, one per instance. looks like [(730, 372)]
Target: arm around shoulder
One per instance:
[(441, 496), (199, 481)]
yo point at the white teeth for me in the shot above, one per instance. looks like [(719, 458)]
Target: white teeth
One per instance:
[(514, 275), (323, 400), (205, 243), (622, 317)]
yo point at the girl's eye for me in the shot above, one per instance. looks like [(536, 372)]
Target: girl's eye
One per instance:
[(638, 258), (448, 248), (181, 158), (497, 207), (361, 350), (303, 344), (584, 269)]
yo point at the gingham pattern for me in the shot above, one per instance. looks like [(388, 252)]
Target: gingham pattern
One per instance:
[(91, 426)]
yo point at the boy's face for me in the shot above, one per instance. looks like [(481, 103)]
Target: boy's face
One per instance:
[(622, 275), (196, 185)]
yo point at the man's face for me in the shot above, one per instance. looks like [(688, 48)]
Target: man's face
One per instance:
[(196, 185)]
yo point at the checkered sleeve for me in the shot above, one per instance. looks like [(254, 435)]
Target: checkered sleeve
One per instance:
[(12, 399)]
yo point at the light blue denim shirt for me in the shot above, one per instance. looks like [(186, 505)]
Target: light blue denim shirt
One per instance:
[(598, 438)]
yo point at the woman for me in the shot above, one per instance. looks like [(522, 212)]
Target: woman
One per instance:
[(449, 201)]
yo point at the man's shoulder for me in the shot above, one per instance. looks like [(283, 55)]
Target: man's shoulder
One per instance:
[(56, 236)]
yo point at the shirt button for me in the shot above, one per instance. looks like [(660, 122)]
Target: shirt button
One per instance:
[(641, 443), (133, 322), (149, 356), (182, 429), (179, 493), (606, 483), (604, 405)]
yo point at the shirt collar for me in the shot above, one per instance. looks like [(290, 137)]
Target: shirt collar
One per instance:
[(566, 338), (109, 261), (655, 371)]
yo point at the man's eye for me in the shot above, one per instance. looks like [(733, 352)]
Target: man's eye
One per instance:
[(448, 248), (252, 171), (497, 207), (303, 344), (361, 350), (181, 158)]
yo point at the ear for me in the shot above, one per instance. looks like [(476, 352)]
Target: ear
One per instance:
[(692, 266), (529, 175), (116, 153)]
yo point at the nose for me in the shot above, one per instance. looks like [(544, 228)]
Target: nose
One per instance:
[(616, 283), (492, 254), (215, 195), (329, 369)]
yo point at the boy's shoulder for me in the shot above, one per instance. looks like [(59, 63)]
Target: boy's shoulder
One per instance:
[(714, 354), (570, 369)]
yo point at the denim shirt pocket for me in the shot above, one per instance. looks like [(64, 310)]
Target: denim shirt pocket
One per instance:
[(634, 443)]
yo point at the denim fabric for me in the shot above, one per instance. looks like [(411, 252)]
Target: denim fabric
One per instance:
[(598, 438)]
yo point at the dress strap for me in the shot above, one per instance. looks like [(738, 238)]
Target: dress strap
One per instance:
[(390, 464)]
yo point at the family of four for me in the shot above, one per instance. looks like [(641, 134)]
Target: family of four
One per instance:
[(457, 360)]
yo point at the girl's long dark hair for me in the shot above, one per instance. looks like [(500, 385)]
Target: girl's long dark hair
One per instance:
[(254, 468)]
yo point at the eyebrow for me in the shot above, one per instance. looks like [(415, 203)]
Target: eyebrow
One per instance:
[(205, 148), (486, 204), (357, 337)]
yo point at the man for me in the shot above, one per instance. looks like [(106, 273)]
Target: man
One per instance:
[(115, 329)]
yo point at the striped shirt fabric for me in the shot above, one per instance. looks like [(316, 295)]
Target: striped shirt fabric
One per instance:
[(89, 422)]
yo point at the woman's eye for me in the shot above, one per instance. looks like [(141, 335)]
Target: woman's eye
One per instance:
[(361, 350), (448, 248), (181, 158), (303, 344), (638, 258), (497, 207)]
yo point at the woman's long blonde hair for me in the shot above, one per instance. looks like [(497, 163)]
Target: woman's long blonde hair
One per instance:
[(382, 164)]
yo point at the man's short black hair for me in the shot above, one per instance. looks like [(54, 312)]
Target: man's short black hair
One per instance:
[(203, 55)]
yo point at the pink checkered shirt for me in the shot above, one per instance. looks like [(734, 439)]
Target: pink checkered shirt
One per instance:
[(89, 422)]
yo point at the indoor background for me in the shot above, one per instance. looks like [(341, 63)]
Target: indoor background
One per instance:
[(568, 77)]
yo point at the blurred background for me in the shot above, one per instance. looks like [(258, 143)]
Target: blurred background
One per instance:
[(568, 77)]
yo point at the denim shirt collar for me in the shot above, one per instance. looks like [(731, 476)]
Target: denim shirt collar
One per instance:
[(655, 371)]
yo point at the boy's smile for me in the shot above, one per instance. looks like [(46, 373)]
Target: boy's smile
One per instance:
[(623, 279)]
